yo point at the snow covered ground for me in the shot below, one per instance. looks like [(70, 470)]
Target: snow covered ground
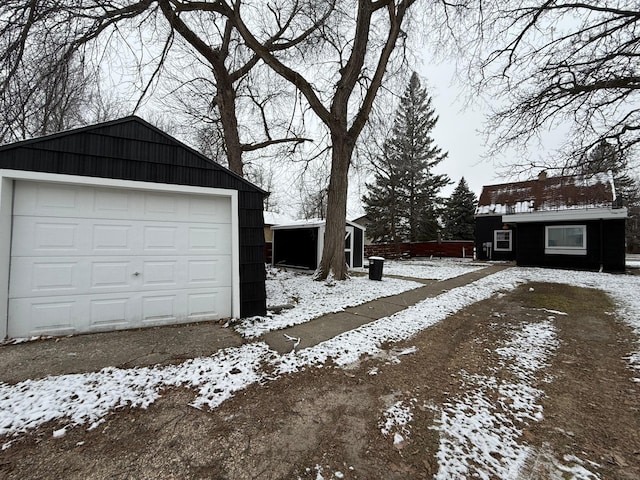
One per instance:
[(430, 269), (311, 299), (85, 399)]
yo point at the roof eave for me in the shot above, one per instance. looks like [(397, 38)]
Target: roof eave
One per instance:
[(567, 215)]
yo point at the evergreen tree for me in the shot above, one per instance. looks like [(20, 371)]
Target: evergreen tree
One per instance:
[(383, 203), (458, 220), (403, 203), (607, 158)]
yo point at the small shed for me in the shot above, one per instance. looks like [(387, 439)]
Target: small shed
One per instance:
[(299, 244), (560, 222), (119, 225)]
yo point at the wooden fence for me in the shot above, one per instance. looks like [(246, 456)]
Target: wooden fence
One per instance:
[(445, 248)]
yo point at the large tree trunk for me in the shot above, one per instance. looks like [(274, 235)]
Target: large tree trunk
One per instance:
[(226, 100), (333, 258)]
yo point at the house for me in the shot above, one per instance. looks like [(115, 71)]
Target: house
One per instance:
[(119, 225), (300, 244), (560, 222)]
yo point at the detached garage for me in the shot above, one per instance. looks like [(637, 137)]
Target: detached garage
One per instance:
[(119, 225)]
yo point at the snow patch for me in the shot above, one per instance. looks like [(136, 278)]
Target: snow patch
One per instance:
[(313, 299), (479, 437)]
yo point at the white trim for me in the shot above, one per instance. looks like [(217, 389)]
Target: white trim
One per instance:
[(6, 207), (567, 215), (6, 214), (349, 230), (320, 243), (495, 241), (564, 250), (116, 183)]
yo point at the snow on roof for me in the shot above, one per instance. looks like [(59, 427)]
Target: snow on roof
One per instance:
[(548, 193), (273, 218), (310, 223)]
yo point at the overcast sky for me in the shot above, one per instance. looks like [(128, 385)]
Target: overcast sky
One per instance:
[(457, 132)]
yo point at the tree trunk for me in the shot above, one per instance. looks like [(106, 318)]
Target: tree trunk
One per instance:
[(333, 258), (226, 101)]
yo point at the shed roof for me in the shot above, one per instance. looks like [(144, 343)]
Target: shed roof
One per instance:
[(310, 223), (548, 194)]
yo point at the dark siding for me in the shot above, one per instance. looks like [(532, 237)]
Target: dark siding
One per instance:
[(485, 226), (530, 249), (605, 246), (358, 247), (614, 245), (131, 149)]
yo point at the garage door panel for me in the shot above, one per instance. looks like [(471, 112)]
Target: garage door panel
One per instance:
[(110, 313), (160, 238), (159, 308), (215, 239), (44, 277), (87, 259), (111, 274), (49, 199), (157, 273), (112, 203), (209, 210), (46, 316), (43, 237), (202, 273), (109, 238), (207, 305)]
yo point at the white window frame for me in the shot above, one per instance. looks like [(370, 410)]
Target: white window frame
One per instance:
[(565, 250), (495, 241)]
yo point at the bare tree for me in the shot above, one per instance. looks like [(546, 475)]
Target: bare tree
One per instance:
[(557, 63), (355, 46), (313, 193), (46, 98), (351, 47), (148, 33), (230, 63)]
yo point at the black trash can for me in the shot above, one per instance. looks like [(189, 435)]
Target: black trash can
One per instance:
[(375, 268)]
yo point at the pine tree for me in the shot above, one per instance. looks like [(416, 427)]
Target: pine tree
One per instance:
[(383, 203), (403, 204), (607, 158), (458, 220)]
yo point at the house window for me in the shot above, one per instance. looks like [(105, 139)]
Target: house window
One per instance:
[(566, 239), (502, 240)]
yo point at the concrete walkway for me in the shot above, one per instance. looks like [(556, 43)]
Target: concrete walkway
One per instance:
[(173, 344), (328, 326)]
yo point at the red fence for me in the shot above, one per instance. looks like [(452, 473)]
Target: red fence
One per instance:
[(450, 248)]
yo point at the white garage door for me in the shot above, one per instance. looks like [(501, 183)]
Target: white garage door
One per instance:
[(86, 259)]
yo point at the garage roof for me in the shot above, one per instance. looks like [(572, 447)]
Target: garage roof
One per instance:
[(128, 148)]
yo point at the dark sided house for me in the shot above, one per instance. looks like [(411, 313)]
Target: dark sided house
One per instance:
[(299, 244), (119, 225), (560, 222)]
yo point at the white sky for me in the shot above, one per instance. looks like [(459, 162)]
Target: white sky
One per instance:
[(457, 132)]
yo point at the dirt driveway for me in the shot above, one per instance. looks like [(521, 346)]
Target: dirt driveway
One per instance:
[(393, 416)]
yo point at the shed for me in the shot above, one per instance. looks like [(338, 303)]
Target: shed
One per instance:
[(300, 243), (561, 222), (119, 225)]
